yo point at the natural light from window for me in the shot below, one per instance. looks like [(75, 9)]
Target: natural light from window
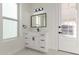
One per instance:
[(9, 20)]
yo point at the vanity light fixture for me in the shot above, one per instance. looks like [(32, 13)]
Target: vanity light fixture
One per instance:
[(38, 9)]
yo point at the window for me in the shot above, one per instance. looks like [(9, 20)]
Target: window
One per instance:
[(10, 20)]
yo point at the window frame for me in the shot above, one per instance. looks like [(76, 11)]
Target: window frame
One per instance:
[(12, 19)]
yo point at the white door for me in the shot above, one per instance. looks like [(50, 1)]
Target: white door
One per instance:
[(67, 28)]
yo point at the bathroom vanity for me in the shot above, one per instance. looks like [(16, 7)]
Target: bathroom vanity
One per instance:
[(36, 37)]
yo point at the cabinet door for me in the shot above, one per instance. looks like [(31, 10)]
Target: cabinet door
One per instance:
[(35, 42)]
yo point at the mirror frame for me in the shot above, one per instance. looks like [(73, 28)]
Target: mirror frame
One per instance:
[(40, 26)]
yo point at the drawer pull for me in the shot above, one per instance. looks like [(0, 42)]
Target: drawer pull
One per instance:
[(42, 47), (26, 33), (26, 43), (26, 38), (42, 34), (42, 40)]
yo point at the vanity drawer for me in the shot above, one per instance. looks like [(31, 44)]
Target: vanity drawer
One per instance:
[(25, 33), (42, 40), (42, 34), (26, 38), (43, 48), (42, 43)]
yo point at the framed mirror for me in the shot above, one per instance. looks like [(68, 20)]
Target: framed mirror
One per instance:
[(38, 21)]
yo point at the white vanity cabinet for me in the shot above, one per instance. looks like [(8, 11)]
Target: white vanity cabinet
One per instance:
[(37, 40), (37, 37)]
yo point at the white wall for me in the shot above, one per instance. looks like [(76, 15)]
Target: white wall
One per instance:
[(78, 27), (26, 13), (12, 45), (0, 23)]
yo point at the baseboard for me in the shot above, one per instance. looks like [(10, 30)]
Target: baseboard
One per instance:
[(53, 49), (69, 52)]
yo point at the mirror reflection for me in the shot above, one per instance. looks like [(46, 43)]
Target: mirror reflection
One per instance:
[(38, 20)]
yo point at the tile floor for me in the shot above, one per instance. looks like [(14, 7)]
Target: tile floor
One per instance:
[(27, 51)]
